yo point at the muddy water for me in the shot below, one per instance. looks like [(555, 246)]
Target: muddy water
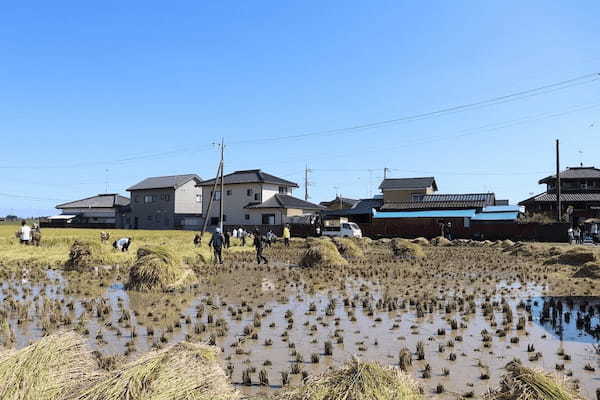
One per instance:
[(291, 312)]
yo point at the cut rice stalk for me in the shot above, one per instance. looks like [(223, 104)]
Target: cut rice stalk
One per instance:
[(185, 371)]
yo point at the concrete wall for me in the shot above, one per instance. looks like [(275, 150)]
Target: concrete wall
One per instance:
[(185, 199), (159, 214)]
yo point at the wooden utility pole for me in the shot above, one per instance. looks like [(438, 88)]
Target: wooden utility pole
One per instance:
[(222, 184), (558, 203), (212, 194)]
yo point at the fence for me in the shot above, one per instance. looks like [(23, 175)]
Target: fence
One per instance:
[(430, 227)]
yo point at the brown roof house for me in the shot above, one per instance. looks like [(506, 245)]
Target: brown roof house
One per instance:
[(108, 210), (580, 194), (253, 198), (167, 202)]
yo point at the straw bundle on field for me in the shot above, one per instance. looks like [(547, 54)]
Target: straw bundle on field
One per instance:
[(348, 248), (522, 383), (440, 241), (357, 381), (406, 250), (80, 256), (54, 368), (185, 371), (421, 241), (322, 253), (588, 270), (576, 256), (157, 268)]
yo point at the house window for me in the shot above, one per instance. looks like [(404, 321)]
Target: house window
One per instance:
[(214, 221), (224, 218), (249, 192), (217, 195), (228, 192), (150, 218), (198, 198), (256, 197), (148, 199), (283, 190), (246, 217), (417, 196), (137, 199), (268, 219), (167, 197)]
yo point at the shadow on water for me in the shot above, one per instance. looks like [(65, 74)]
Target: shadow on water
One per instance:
[(568, 318)]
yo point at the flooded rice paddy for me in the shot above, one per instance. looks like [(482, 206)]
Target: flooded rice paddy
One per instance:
[(452, 320)]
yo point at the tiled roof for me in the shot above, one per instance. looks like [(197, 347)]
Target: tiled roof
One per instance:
[(567, 197), (427, 214), (251, 176), (408, 183), (286, 201), (100, 201), (162, 182), (574, 173), (441, 201), (345, 200), (364, 206)]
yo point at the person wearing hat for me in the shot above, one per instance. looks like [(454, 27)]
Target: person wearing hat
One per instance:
[(216, 242)]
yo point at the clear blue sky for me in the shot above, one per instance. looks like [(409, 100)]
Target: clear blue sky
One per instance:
[(143, 89)]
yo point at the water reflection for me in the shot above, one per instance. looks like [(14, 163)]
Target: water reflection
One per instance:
[(568, 318)]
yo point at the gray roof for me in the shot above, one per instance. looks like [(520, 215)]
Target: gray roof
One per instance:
[(286, 201), (566, 197), (574, 173), (250, 176), (364, 206), (345, 200), (445, 201), (162, 182), (108, 200), (408, 183)]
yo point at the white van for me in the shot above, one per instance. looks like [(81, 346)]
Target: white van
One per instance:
[(343, 229)]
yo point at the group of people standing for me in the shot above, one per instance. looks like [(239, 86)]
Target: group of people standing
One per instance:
[(220, 240), (578, 235)]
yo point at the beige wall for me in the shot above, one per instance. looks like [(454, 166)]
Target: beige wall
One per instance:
[(185, 199), (398, 196)]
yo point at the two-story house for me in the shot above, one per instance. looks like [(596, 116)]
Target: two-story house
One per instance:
[(418, 194), (252, 198), (167, 202), (580, 194)]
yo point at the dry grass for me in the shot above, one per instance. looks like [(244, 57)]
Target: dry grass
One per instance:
[(53, 368), (357, 380), (522, 383), (322, 253), (404, 249), (576, 256), (349, 248), (157, 268), (185, 371)]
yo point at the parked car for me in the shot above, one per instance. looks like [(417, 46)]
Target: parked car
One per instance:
[(343, 229)]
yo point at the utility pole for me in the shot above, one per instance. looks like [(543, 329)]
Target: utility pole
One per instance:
[(222, 184), (212, 194), (306, 182), (558, 205)]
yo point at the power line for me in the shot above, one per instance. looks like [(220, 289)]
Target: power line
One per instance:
[(545, 89)]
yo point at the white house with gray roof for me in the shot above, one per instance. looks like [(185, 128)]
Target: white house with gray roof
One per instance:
[(167, 202), (253, 198)]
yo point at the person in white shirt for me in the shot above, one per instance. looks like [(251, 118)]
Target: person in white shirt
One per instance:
[(122, 244), (25, 233)]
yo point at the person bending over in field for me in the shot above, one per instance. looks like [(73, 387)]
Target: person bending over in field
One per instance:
[(198, 240), (122, 244), (104, 236), (36, 235)]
